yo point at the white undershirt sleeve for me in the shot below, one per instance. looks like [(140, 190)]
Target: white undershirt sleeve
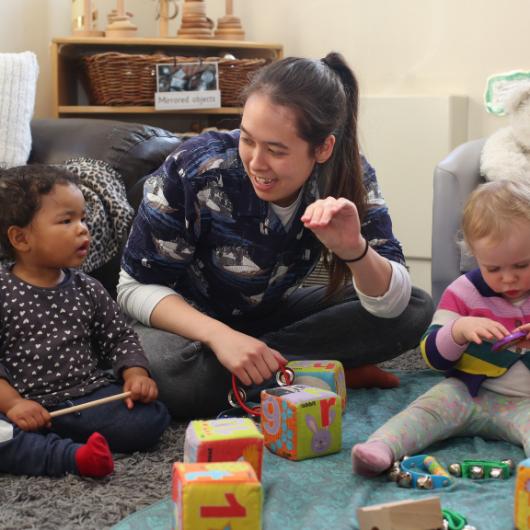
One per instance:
[(139, 299), (395, 300)]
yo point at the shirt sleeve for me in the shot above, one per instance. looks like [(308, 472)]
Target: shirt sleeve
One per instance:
[(113, 339), (395, 300), (437, 345), (377, 225), (139, 299), (165, 230)]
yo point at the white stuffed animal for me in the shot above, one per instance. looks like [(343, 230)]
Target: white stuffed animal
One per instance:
[(506, 153)]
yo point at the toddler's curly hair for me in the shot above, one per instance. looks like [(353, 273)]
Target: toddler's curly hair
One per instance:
[(21, 191)]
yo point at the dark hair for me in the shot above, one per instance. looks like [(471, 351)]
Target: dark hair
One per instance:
[(21, 191), (324, 96)]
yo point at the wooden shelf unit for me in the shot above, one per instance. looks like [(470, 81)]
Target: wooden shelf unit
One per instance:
[(70, 98)]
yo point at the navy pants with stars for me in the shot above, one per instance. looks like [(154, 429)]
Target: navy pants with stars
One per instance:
[(51, 452)]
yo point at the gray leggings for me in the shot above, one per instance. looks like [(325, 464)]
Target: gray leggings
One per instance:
[(194, 384)]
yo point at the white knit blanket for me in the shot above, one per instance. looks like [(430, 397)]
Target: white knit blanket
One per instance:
[(18, 82)]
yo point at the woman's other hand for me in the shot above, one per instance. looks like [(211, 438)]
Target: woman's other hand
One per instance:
[(336, 224)]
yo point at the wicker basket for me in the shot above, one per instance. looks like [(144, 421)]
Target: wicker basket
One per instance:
[(130, 79)]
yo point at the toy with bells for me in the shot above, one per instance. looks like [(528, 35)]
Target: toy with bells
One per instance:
[(229, 26)]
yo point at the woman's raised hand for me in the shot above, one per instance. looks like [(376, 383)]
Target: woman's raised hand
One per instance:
[(336, 224)]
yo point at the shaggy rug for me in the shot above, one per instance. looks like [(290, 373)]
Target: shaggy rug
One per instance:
[(139, 480)]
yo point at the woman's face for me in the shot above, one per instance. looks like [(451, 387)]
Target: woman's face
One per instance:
[(277, 161)]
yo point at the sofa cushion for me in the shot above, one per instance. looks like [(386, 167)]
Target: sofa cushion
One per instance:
[(18, 81), (132, 149)]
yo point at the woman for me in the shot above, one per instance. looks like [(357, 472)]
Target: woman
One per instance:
[(232, 223)]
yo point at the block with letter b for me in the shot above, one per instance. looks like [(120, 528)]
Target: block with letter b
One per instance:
[(328, 375), (300, 421), (224, 440), (216, 495)]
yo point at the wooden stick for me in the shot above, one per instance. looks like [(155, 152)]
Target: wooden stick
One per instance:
[(229, 7), (90, 404)]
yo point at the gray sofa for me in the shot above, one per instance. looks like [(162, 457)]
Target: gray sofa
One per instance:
[(454, 179), (132, 149)]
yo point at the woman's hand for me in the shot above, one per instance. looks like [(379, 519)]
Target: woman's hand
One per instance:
[(141, 386), (337, 225), (249, 359), (29, 415), (477, 329)]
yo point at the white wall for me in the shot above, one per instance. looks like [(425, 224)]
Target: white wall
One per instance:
[(398, 48)]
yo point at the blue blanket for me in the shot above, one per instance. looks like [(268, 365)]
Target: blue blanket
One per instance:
[(323, 492)]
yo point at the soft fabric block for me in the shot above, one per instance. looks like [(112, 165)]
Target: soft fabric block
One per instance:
[(18, 83), (328, 375), (224, 440), (522, 496), (216, 495), (300, 421)]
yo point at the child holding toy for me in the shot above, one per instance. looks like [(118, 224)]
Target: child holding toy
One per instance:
[(56, 325), (487, 392), (232, 223)]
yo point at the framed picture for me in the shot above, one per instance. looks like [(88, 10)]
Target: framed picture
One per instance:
[(193, 85)]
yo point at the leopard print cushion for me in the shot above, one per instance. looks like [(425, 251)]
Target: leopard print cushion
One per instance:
[(109, 214)]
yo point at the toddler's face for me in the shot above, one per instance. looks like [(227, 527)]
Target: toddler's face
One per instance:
[(58, 233), (505, 265)]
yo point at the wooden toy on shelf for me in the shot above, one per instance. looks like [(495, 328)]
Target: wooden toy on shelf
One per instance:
[(84, 25), (229, 26), (120, 24), (164, 16), (422, 514), (195, 24)]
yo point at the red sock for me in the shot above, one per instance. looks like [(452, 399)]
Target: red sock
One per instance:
[(370, 376), (94, 459)]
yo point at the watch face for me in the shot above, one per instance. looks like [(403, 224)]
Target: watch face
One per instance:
[(509, 340)]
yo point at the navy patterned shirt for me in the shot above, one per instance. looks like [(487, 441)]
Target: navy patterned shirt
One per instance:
[(202, 230)]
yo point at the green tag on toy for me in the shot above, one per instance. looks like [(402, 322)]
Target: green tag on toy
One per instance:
[(500, 86)]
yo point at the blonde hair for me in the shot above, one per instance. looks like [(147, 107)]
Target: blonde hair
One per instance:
[(493, 208)]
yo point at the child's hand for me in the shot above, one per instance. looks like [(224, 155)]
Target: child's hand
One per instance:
[(29, 415), (477, 329), (142, 387)]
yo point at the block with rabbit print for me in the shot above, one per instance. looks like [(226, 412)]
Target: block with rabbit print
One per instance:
[(300, 421)]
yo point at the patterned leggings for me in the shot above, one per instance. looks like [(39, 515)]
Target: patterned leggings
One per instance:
[(447, 410)]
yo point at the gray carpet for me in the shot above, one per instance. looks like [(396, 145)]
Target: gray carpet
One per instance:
[(139, 480)]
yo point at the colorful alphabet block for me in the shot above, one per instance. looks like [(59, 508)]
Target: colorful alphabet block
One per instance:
[(216, 495), (328, 375), (225, 440), (522, 496), (300, 421)]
